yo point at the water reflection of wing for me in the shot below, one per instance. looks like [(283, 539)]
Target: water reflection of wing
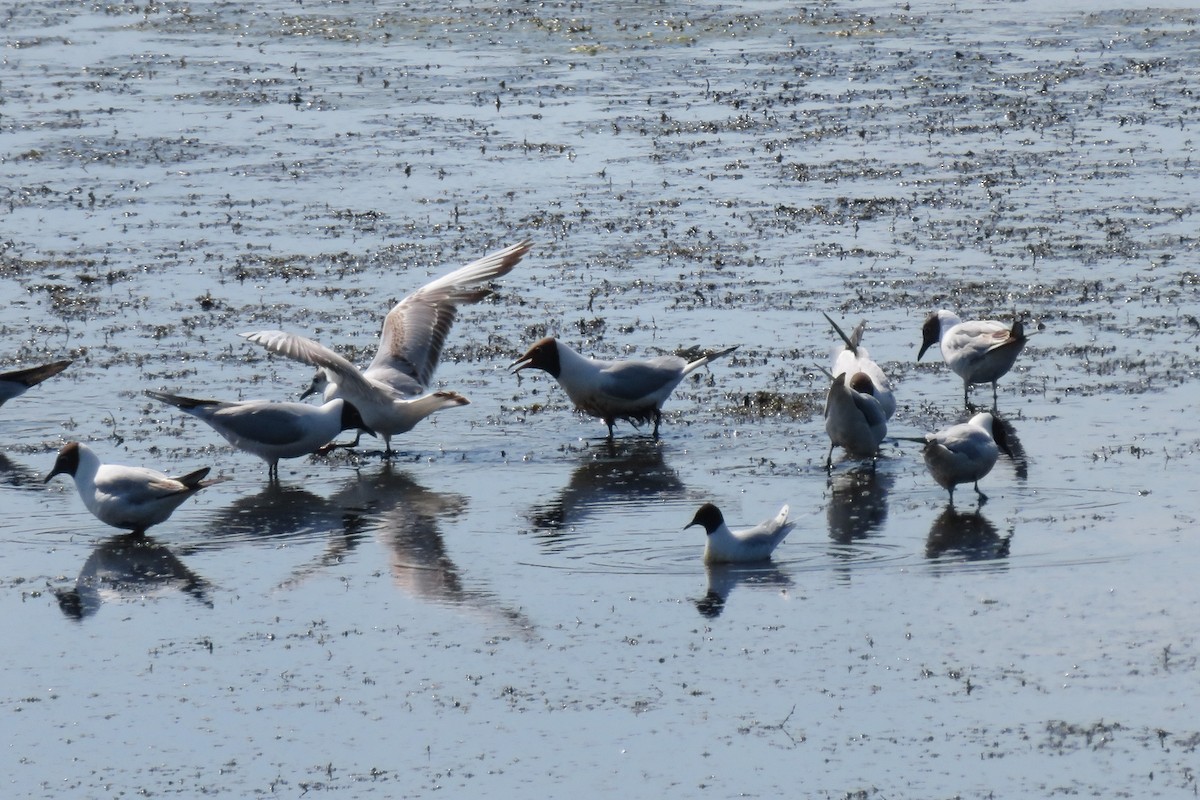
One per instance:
[(625, 470), (723, 578), (858, 503), (14, 474), (129, 565), (406, 518), (1019, 459), (965, 534), (287, 512)]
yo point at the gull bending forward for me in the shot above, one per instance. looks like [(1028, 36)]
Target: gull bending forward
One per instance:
[(632, 390), (978, 351), (854, 418), (964, 453), (271, 430), (129, 498)]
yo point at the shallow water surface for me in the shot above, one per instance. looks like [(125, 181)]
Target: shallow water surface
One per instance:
[(512, 604)]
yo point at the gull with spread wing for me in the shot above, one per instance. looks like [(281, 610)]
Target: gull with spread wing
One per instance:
[(18, 381), (853, 358), (391, 392)]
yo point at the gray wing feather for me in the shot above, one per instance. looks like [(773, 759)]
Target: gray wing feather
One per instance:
[(415, 330), (631, 380), (307, 351), (269, 423), (139, 486)]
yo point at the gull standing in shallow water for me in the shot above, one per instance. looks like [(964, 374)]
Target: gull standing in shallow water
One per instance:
[(978, 351), (632, 390), (391, 392), (130, 498), (853, 358), (854, 418), (964, 453), (17, 382), (271, 430), (723, 546)]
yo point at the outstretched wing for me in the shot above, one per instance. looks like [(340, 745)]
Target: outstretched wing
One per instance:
[(17, 381), (415, 330), (305, 350)]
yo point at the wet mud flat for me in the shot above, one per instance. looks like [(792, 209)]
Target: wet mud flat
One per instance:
[(511, 605)]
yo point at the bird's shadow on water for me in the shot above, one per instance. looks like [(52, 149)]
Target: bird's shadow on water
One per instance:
[(966, 536), (858, 506), (724, 578), (127, 566), (608, 473)]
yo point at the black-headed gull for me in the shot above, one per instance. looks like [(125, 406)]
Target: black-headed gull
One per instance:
[(130, 498), (964, 453), (978, 351), (271, 430), (391, 392), (853, 358), (632, 390), (854, 418), (17, 382), (724, 546)]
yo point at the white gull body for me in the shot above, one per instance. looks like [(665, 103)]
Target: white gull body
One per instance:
[(725, 546), (854, 418), (964, 453), (852, 358), (130, 498), (632, 390), (978, 351)]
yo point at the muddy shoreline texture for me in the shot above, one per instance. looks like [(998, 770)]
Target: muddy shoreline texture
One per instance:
[(511, 605)]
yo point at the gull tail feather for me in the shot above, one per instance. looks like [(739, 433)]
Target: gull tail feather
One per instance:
[(708, 359), (854, 339), (179, 401)]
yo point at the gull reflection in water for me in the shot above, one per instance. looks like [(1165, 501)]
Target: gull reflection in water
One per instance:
[(965, 536), (280, 511), (609, 473), (858, 503), (724, 578), (1017, 450), (18, 475), (126, 566), (406, 518)]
